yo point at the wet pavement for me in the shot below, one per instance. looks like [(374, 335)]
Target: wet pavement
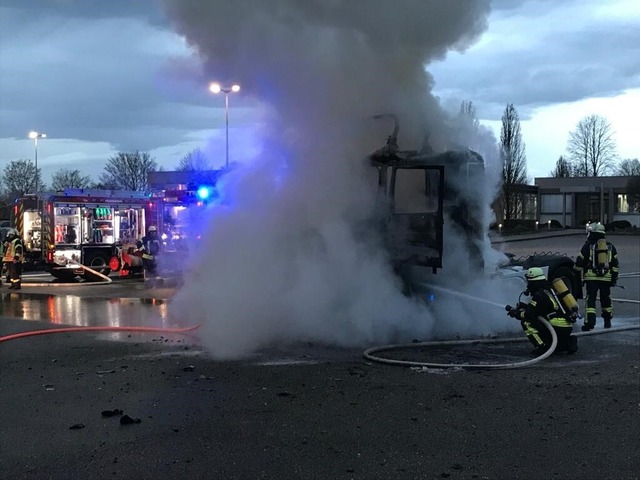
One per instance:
[(85, 311)]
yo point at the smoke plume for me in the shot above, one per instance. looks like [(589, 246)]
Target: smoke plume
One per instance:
[(287, 258)]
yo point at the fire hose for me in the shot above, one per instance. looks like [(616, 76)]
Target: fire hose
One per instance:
[(104, 280), (50, 331), (370, 354)]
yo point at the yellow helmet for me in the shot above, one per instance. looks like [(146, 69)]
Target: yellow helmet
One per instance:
[(534, 274)]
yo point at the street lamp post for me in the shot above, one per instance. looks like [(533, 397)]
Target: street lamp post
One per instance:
[(216, 88), (35, 136)]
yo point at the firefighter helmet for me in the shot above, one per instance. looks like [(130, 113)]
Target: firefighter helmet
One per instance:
[(152, 228), (597, 228), (13, 231), (535, 274)]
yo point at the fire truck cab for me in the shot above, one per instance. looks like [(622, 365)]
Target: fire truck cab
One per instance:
[(64, 231)]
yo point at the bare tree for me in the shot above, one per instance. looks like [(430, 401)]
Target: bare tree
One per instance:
[(592, 147), (466, 125), (629, 167), (467, 132), (19, 178), (514, 163), (468, 113), (101, 185), (563, 168), (195, 160), (128, 171), (65, 178)]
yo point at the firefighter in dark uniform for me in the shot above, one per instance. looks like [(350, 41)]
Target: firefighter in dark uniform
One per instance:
[(546, 304), (13, 257), (598, 264), (150, 247), (5, 265)]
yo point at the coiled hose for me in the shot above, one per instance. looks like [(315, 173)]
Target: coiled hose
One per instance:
[(370, 354)]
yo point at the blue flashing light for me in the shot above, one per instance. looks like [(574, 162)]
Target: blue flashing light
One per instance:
[(203, 192)]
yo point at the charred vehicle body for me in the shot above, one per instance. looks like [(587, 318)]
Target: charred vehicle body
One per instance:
[(418, 192)]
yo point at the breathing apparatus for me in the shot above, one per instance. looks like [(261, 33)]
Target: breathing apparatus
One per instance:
[(565, 299), (601, 257)]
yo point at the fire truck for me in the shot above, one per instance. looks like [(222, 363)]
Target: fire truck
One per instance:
[(185, 196), (65, 231)]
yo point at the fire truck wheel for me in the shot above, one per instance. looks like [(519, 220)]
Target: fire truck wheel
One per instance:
[(100, 262)]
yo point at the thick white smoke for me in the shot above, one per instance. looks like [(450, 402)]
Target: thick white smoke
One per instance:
[(286, 259)]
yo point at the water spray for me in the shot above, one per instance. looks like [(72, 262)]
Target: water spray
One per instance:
[(467, 296)]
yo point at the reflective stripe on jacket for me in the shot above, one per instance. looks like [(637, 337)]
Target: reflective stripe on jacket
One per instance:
[(14, 251)]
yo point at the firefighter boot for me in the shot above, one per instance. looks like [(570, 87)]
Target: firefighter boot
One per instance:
[(539, 351), (606, 316), (572, 345), (589, 322)]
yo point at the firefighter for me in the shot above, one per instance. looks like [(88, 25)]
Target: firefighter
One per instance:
[(150, 247), (544, 303), (5, 266), (598, 265), (13, 257)]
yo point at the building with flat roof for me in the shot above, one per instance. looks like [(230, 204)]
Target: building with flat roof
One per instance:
[(576, 201)]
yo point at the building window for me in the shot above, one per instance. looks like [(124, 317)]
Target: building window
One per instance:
[(622, 205), (529, 206), (627, 203), (551, 203), (568, 204)]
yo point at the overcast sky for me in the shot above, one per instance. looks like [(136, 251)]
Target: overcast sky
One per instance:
[(100, 77)]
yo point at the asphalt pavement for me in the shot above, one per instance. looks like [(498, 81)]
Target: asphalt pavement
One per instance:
[(156, 406)]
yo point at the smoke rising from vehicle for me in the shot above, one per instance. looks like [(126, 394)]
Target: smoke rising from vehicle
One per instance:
[(288, 257)]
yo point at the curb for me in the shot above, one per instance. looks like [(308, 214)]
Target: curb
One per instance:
[(525, 237)]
